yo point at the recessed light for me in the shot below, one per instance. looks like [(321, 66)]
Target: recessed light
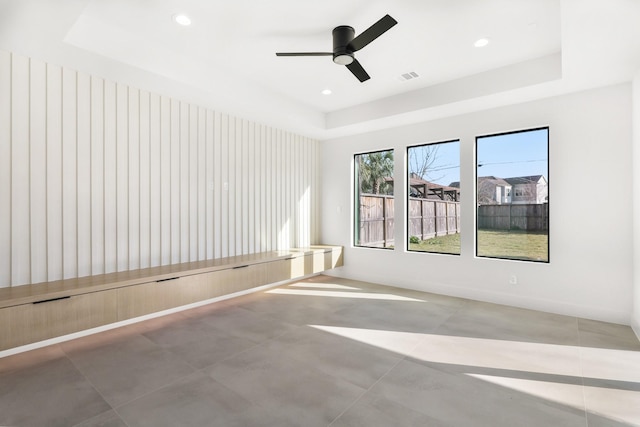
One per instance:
[(481, 42), (182, 19), (327, 92)]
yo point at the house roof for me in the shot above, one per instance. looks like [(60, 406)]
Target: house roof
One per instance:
[(525, 179), (494, 180)]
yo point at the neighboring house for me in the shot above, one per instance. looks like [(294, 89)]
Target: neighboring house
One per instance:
[(517, 190), (529, 189), (493, 191)]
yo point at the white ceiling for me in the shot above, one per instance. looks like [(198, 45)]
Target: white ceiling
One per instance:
[(226, 58)]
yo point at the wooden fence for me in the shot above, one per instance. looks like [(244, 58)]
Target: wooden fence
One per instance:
[(376, 221), (427, 219), (529, 217), (432, 218)]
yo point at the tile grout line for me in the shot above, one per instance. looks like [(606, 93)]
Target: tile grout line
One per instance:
[(77, 368), (357, 399), (402, 359), (196, 370), (580, 351), (113, 407)]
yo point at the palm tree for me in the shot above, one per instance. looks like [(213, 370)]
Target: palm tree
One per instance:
[(373, 169)]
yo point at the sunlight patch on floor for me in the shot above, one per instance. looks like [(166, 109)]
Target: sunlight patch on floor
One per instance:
[(566, 394), (332, 294), (397, 342), (606, 378), (474, 352), (619, 405), (535, 357), (528, 367), (611, 364), (317, 285)]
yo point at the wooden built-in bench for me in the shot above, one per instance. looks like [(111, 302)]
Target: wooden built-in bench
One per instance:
[(38, 312)]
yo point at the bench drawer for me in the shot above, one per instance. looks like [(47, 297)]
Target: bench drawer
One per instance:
[(28, 323)]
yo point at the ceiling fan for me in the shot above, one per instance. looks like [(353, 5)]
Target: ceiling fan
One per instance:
[(344, 45)]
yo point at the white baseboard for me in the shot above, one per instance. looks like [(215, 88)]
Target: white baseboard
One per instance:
[(526, 302), (635, 325)]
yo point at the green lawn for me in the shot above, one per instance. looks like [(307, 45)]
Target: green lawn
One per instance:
[(513, 245), (492, 243), (444, 245)]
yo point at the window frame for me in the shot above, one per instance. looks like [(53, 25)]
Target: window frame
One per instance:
[(513, 193), (356, 202), (407, 196)]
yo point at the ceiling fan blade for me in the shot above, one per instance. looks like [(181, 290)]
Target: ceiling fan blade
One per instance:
[(358, 71), (372, 33), (304, 53)]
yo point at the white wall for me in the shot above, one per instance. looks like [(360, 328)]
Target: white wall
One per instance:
[(97, 176), (635, 322), (590, 273)]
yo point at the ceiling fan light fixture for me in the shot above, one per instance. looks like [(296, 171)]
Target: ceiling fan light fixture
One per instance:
[(343, 59)]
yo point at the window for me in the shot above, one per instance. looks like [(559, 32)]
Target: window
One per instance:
[(374, 204), (515, 227), (434, 198)]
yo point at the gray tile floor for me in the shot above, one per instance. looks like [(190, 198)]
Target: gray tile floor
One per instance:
[(333, 352)]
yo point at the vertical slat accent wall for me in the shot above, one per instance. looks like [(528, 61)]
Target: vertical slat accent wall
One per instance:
[(97, 176), (5, 168)]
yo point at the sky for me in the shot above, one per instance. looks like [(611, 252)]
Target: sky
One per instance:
[(503, 156), (446, 165)]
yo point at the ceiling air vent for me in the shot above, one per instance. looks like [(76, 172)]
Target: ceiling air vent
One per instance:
[(408, 76)]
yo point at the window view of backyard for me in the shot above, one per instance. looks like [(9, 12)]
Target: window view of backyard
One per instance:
[(434, 198), (512, 195), (374, 202)]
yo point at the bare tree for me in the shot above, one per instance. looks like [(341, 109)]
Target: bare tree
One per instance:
[(421, 162), (486, 192)]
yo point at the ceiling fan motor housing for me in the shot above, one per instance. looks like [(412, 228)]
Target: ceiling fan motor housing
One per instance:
[(342, 36)]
